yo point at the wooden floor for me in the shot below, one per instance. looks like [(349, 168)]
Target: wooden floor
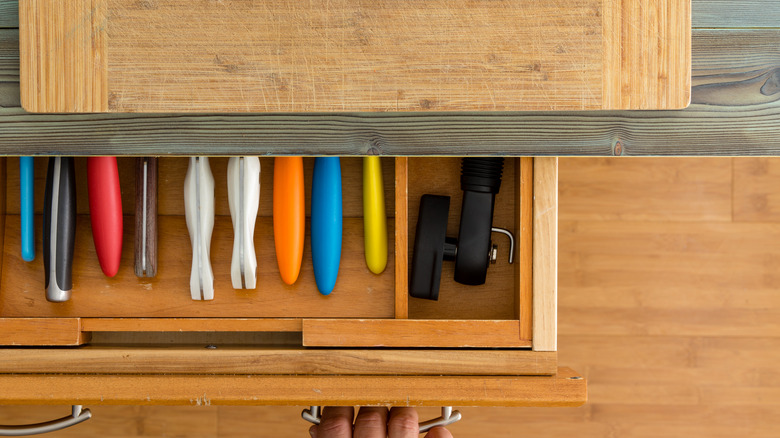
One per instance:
[(669, 303)]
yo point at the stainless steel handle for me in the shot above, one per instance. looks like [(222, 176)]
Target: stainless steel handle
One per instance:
[(312, 415), (448, 416), (77, 416)]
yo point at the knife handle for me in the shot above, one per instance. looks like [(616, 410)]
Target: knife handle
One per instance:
[(59, 228), (27, 201), (244, 201), (199, 213), (105, 211), (374, 220), (289, 216), (146, 217), (326, 222)]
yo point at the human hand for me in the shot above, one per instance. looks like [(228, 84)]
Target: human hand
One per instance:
[(372, 423)]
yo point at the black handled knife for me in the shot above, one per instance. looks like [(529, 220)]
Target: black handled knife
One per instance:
[(59, 228)]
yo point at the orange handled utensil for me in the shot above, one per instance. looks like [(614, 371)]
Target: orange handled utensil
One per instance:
[(289, 216)]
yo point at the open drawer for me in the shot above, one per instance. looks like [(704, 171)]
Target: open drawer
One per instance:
[(130, 340)]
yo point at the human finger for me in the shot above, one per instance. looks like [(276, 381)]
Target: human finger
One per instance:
[(371, 423), (403, 423), (336, 422), (439, 432)]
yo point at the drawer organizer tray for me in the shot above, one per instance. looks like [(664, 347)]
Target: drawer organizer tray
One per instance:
[(365, 339)]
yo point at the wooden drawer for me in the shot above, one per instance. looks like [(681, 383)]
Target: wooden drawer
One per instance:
[(129, 340)]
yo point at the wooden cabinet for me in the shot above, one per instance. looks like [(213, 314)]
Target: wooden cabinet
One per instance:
[(129, 340)]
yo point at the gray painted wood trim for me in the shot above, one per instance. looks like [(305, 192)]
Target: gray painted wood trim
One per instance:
[(9, 13), (735, 111)]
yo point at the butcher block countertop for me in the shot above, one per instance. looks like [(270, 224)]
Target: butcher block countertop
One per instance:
[(354, 55), (735, 108)]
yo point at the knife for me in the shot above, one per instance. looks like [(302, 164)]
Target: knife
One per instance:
[(289, 216), (59, 228), (199, 213), (326, 222), (146, 217), (105, 211), (244, 201)]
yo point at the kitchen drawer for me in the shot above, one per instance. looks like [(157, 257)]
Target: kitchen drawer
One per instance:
[(129, 340)]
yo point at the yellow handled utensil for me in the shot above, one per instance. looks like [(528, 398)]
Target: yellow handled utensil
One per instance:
[(374, 220)]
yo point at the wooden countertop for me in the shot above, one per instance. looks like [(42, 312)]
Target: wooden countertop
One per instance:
[(351, 55), (734, 111)]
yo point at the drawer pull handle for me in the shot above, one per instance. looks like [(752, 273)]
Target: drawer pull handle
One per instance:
[(448, 416), (77, 416)]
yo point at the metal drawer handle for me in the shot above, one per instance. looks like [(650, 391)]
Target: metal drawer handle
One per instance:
[(448, 416), (75, 418)]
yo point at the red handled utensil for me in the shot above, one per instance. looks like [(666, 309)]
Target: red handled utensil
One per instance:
[(105, 210)]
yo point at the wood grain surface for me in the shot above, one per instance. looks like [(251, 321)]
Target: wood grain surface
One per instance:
[(735, 13), (545, 255), (708, 13), (598, 189), (566, 388), (325, 56), (641, 383), (63, 50), (258, 360), (3, 186), (401, 246), (738, 63), (413, 333), (644, 42), (190, 325), (524, 226), (9, 14), (756, 198), (41, 331), (9, 55), (735, 376)]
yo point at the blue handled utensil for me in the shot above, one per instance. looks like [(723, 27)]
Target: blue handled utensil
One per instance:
[(326, 222), (27, 198)]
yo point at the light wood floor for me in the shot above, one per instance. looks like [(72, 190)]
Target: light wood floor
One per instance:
[(669, 303)]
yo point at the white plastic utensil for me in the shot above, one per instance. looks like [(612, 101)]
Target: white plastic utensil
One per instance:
[(199, 212), (244, 200)]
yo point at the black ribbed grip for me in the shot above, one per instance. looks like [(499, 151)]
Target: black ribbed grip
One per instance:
[(481, 174)]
